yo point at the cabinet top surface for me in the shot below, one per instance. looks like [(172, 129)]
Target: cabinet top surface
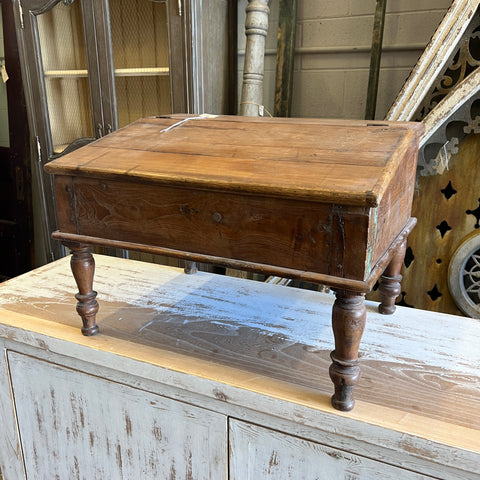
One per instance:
[(420, 369), (320, 160)]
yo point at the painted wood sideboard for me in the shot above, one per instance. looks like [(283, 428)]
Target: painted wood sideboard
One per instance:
[(211, 377)]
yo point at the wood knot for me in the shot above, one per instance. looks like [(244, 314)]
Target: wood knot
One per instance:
[(217, 217)]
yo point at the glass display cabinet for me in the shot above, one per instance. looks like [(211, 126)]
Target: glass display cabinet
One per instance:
[(92, 66)]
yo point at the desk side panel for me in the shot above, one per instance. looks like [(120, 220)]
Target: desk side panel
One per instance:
[(392, 215), (305, 236)]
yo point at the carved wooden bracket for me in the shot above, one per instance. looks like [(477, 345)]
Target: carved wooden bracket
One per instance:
[(434, 60), (443, 90)]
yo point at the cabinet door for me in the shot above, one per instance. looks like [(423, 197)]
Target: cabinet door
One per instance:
[(91, 66), (74, 425), (55, 52), (16, 225), (258, 453), (57, 80), (146, 36)]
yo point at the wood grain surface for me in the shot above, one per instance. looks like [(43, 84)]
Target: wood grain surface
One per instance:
[(312, 197), (280, 157), (281, 232)]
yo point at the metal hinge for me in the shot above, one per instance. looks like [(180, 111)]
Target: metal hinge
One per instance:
[(180, 9), (20, 13)]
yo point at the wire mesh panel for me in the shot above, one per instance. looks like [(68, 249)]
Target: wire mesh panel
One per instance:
[(65, 73), (141, 59)]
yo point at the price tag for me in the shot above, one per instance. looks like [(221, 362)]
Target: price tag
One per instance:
[(4, 73)]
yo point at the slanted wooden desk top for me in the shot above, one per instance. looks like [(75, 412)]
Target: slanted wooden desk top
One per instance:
[(325, 201)]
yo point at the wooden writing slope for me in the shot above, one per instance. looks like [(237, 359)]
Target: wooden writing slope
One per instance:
[(323, 201)]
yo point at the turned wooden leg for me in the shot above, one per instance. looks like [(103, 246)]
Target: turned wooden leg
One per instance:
[(190, 267), (83, 269), (348, 321), (390, 287)]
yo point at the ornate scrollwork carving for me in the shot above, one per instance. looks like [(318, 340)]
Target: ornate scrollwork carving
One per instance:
[(471, 277), (435, 154), (464, 276), (465, 60)]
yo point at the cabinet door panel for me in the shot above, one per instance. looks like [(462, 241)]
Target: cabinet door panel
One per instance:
[(65, 75), (141, 58), (91, 66), (75, 425), (258, 453), (57, 83)]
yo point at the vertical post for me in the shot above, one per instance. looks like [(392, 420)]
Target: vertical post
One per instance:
[(287, 20), (348, 322), (256, 27), (232, 63), (377, 40), (82, 264), (390, 287)]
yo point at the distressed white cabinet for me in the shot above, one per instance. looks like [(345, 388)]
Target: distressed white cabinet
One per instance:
[(211, 377), (79, 426), (259, 453)]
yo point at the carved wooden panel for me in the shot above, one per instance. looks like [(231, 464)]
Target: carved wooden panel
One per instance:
[(443, 92), (448, 207), (441, 53)]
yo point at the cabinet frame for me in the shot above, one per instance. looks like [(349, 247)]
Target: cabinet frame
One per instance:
[(192, 88)]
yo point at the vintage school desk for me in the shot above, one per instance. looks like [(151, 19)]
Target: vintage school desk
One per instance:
[(323, 201)]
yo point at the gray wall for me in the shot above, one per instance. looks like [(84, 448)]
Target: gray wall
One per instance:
[(332, 59)]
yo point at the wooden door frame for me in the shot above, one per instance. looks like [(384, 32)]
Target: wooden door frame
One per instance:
[(19, 152)]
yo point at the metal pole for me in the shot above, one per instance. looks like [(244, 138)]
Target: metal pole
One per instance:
[(377, 40), (285, 58)]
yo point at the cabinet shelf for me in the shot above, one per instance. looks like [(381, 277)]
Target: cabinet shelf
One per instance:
[(141, 72), (119, 72), (65, 73)]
